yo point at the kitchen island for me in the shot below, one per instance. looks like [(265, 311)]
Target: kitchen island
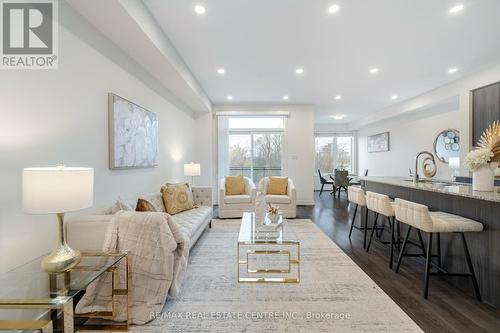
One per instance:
[(459, 199)]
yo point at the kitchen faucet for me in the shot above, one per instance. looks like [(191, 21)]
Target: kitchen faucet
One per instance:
[(415, 175)]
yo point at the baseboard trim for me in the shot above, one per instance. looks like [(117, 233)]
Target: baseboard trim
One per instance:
[(305, 202)]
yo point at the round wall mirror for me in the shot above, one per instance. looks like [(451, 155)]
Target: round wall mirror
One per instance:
[(447, 144)]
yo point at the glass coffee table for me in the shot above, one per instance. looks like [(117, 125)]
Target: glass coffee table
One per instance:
[(267, 256), (32, 299)]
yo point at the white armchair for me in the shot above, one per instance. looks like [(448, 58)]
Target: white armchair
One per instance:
[(287, 203), (232, 206)]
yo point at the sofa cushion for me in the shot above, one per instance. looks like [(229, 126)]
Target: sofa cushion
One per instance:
[(235, 199), (177, 197), (277, 185), (235, 185), (277, 199), (144, 206), (190, 221)]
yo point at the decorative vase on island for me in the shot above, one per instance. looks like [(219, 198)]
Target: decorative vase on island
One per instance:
[(483, 179)]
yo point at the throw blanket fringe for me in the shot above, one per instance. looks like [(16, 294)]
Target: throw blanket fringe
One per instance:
[(158, 260)]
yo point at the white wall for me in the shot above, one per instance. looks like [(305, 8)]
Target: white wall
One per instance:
[(458, 90), (408, 136), (54, 116), (299, 145)]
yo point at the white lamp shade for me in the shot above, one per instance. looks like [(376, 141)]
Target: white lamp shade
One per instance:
[(192, 169), (454, 162), (57, 190)]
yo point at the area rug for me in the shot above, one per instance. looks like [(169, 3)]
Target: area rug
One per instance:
[(334, 294)]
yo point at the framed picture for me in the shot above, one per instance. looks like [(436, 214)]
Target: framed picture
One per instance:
[(378, 142), (133, 135)]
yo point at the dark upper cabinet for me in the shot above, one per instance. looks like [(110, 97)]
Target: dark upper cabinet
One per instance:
[(485, 109)]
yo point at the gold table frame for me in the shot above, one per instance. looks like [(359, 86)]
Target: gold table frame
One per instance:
[(65, 303)]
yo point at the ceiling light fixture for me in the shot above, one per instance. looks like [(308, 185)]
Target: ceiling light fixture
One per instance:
[(299, 71), (333, 9), (199, 9), (393, 97), (452, 70), (221, 71), (285, 98), (374, 70), (338, 97), (229, 98), (338, 116), (456, 9)]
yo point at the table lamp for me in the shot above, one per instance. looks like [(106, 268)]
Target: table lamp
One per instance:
[(192, 169), (57, 190)]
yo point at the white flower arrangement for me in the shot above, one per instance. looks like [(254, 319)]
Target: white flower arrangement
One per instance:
[(477, 158)]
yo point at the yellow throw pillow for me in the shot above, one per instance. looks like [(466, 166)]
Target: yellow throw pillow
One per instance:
[(177, 198), (235, 185), (277, 185)]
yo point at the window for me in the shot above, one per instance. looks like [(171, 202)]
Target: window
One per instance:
[(256, 146), (334, 152)]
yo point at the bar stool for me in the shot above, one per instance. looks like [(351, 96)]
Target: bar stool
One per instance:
[(381, 204), (355, 194), (418, 216)]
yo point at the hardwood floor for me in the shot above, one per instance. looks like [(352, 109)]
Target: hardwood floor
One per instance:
[(447, 309)]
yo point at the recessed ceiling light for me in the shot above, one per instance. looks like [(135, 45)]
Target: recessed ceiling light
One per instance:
[(285, 97), (393, 97), (333, 9), (199, 9), (456, 8), (221, 71), (229, 98), (452, 70), (338, 97), (299, 71), (374, 70), (338, 116)]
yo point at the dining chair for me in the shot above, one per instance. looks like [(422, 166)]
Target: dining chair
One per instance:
[(323, 181)]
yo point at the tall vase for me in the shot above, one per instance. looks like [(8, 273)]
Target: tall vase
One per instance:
[(483, 179), (260, 208)]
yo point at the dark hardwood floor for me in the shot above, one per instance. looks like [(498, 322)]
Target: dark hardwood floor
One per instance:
[(447, 309)]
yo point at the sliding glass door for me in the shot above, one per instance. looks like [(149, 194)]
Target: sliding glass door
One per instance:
[(334, 152)]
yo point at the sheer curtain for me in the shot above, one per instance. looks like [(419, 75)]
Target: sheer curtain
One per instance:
[(222, 148)]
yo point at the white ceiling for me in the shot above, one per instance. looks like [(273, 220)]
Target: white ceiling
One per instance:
[(260, 43)]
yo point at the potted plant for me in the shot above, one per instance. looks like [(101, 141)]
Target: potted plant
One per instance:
[(484, 160)]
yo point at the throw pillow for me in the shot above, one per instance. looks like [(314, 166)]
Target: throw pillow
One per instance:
[(277, 185), (120, 204), (235, 185), (177, 198), (144, 206)]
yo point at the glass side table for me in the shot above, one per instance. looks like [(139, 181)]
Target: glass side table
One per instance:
[(34, 291)]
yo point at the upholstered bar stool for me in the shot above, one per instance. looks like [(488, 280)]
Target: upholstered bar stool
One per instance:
[(434, 223), (381, 204), (356, 195)]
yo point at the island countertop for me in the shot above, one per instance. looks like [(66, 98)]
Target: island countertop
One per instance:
[(441, 186)]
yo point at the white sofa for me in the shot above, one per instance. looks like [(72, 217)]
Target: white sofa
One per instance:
[(287, 203), (87, 232), (233, 206)]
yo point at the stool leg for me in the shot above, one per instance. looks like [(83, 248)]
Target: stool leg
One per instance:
[(422, 246), (399, 237), (439, 248), (471, 268), (365, 227), (427, 265), (401, 253), (353, 219), (392, 226), (374, 227)]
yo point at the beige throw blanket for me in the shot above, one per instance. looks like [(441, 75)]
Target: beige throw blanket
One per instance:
[(158, 258)]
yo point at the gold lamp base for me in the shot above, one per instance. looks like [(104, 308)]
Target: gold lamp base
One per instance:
[(62, 258)]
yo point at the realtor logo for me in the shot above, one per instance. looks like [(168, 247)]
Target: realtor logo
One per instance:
[(29, 34)]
